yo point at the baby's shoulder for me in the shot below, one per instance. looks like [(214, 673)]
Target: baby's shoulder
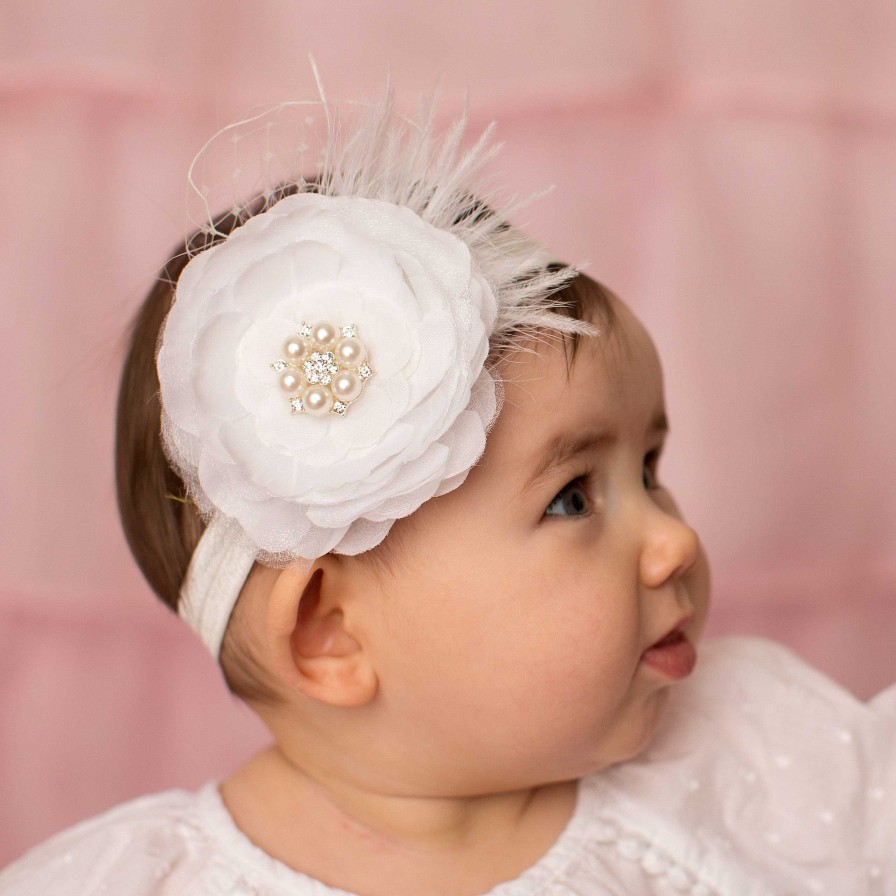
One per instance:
[(125, 850)]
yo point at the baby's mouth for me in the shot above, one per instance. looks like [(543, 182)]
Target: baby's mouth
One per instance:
[(674, 656)]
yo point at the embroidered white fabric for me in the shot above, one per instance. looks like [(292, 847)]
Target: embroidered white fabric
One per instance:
[(766, 779)]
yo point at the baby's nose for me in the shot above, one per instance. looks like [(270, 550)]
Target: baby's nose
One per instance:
[(670, 549)]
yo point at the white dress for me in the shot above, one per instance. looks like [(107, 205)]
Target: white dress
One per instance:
[(765, 778)]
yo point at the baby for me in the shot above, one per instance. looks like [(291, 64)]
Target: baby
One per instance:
[(399, 469)]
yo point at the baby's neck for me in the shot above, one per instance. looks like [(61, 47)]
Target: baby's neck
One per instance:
[(381, 845)]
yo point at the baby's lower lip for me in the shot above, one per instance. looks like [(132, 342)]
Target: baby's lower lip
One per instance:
[(674, 656)]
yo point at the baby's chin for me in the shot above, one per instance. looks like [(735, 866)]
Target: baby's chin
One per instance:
[(640, 739)]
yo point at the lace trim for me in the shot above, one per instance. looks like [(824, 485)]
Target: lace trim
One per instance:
[(655, 862)]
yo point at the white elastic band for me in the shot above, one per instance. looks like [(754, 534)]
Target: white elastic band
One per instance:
[(217, 572)]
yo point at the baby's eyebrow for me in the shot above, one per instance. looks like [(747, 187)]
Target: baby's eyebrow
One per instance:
[(565, 446)]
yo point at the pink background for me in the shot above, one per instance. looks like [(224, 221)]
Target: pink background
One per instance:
[(729, 168)]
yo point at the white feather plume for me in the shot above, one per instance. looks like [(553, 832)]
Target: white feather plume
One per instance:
[(372, 151)]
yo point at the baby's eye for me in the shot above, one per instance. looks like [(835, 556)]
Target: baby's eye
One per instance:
[(571, 500), (649, 475)]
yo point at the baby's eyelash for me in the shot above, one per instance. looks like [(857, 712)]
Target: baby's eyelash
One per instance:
[(582, 481), (649, 473), (651, 466)]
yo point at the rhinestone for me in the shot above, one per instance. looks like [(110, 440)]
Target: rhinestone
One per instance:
[(364, 371), (306, 329), (296, 404), (279, 364), (349, 332), (320, 367), (339, 407)]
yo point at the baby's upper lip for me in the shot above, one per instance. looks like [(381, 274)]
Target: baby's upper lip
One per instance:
[(679, 627)]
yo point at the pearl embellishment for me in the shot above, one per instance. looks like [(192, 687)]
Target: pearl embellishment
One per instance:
[(291, 380), (346, 385), (323, 368), (351, 352), (296, 349), (317, 400), (324, 334)]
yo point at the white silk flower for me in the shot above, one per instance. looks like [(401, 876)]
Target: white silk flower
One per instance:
[(301, 485)]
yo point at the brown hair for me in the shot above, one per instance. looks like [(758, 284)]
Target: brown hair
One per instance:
[(161, 525)]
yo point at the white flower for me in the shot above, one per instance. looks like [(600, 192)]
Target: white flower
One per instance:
[(300, 485)]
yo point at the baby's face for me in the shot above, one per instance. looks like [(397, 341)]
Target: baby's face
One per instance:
[(512, 638)]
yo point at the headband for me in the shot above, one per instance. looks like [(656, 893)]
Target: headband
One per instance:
[(322, 368)]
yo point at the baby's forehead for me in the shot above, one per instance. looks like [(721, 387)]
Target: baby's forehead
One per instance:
[(560, 366), (614, 378)]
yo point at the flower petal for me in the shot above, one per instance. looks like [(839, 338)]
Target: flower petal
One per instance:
[(214, 367)]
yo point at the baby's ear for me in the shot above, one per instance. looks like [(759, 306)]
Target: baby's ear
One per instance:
[(314, 646)]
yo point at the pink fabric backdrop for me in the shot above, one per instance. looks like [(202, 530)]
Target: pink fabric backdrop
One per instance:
[(729, 168)]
